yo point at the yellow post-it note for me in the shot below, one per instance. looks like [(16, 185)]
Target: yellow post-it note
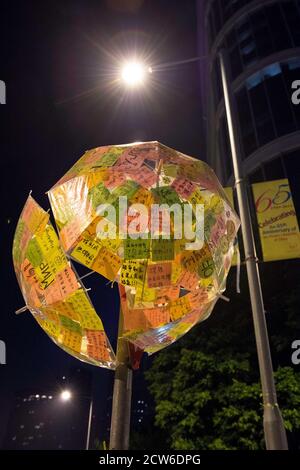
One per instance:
[(107, 263)]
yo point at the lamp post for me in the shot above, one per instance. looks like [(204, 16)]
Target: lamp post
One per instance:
[(66, 395), (275, 435), (121, 405), (88, 434)]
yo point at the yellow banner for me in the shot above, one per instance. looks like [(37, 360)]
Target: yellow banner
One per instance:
[(277, 220), (229, 194)]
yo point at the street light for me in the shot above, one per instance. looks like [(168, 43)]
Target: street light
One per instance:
[(65, 396), (134, 73)]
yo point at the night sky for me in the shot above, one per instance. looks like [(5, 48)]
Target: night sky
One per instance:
[(59, 60)]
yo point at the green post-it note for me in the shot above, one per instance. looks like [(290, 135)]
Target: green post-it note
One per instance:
[(70, 324), (128, 189), (17, 252), (136, 249), (170, 169), (166, 195), (109, 158), (99, 195), (34, 253), (162, 250)]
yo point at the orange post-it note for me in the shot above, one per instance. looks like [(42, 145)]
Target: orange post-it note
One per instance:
[(157, 316), (97, 347), (159, 274), (188, 280)]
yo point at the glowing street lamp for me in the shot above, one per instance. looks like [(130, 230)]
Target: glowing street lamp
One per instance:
[(134, 73), (66, 395)]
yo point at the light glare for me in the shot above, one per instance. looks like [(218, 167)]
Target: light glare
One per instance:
[(133, 73), (66, 395)]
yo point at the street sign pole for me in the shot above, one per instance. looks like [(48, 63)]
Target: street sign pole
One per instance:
[(275, 435), (121, 405)]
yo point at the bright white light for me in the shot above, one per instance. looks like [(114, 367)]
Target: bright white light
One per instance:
[(133, 73), (66, 395)]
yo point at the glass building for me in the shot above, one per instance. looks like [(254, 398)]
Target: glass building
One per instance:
[(262, 38)]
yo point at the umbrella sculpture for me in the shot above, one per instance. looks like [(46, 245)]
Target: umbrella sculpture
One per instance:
[(117, 212)]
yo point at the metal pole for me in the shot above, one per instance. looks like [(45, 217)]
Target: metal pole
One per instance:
[(275, 436), (121, 405), (89, 425)]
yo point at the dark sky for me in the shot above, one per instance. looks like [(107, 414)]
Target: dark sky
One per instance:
[(59, 60)]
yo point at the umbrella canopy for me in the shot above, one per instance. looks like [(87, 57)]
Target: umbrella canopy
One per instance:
[(52, 291), (117, 210)]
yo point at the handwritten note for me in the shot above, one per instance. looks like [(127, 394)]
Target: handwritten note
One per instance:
[(86, 251), (98, 195), (162, 250), (34, 253), (114, 179), (188, 280), (97, 346), (133, 271), (143, 196), (70, 324), (166, 195), (66, 309), (159, 274), (183, 187), (157, 316), (67, 281), (70, 233), (52, 328), (167, 294), (136, 249), (107, 263), (34, 216), (109, 158), (144, 176), (179, 308), (197, 298), (87, 315), (144, 294), (134, 319), (71, 339)]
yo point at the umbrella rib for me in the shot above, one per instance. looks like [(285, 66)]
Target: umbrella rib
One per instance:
[(21, 310), (86, 275)]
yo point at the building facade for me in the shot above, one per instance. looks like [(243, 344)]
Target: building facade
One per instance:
[(41, 420), (262, 39)]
